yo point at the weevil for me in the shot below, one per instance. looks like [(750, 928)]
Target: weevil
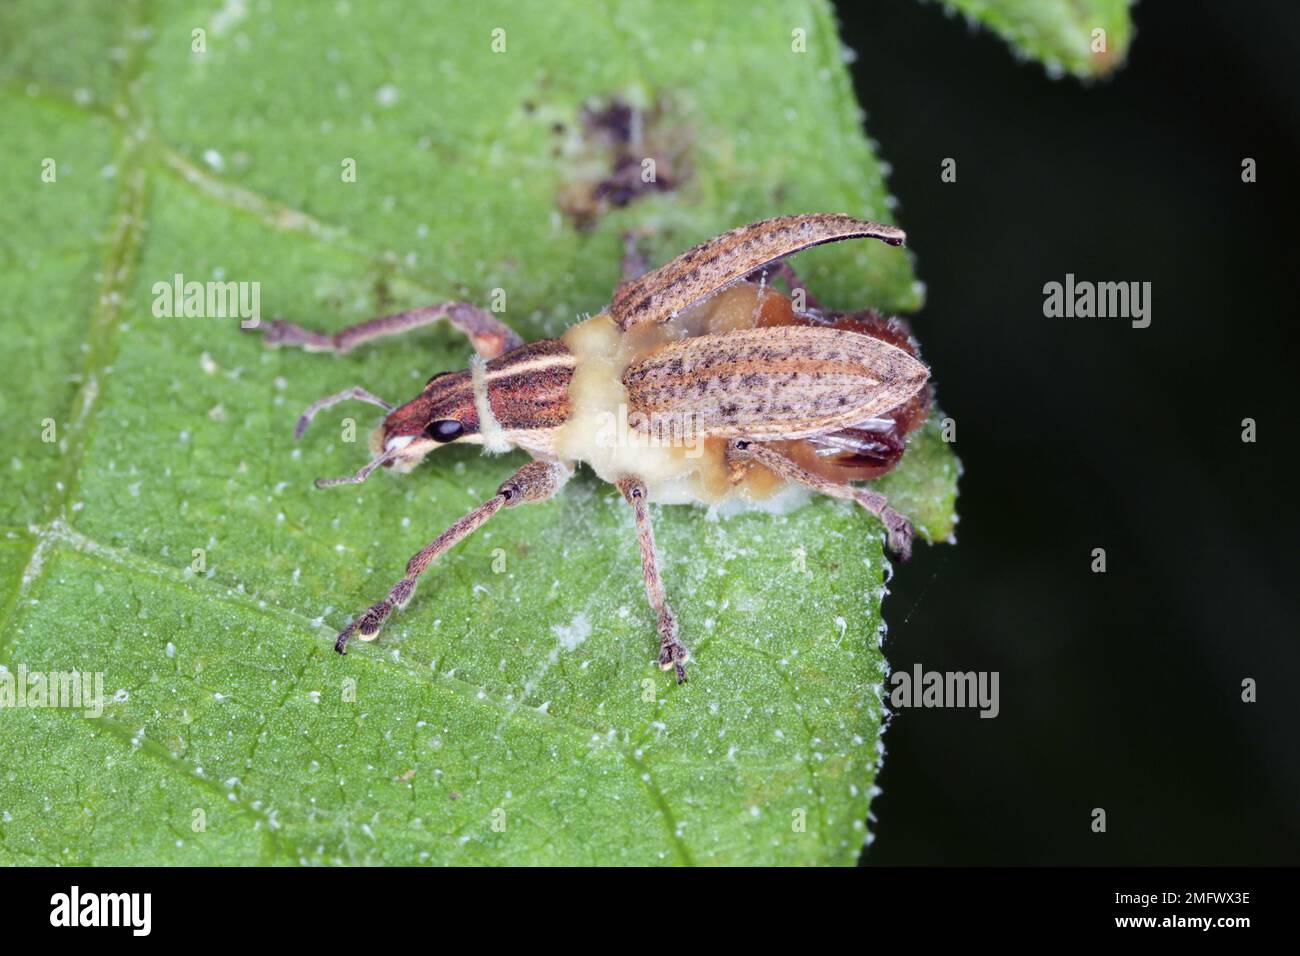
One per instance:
[(699, 383)]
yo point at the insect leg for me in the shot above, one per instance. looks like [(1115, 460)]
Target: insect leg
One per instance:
[(321, 404), (786, 272), (897, 526), (672, 653), (536, 481), (489, 336), (634, 264)]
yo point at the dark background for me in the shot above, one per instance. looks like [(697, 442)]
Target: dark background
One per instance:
[(1119, 690)]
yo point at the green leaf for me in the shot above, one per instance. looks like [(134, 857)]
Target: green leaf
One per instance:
[(170, 538), (1060, 34)]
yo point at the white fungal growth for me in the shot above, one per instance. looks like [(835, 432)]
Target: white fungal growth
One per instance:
[(494, 438), (572, 635)]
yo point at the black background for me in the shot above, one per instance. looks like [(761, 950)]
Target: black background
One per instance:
[(1119, 690)]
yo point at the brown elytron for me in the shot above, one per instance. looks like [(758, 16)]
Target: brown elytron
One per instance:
[(699, 384), (782, 383), (712, 266)]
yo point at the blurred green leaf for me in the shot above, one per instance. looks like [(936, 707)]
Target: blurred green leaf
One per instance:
[(1060, 34), (170, 537)]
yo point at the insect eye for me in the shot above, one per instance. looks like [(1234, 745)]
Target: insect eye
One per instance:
[(448, 429)]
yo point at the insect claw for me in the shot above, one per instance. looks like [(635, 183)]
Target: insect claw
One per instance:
[(279, 332), (672, 655), (899, 535), (272, 333), (366, 627), (341, 643)]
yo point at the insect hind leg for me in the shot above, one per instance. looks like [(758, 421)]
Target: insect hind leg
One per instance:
[(897, 527)]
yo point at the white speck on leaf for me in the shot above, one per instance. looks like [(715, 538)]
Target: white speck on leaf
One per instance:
[(571, 635)]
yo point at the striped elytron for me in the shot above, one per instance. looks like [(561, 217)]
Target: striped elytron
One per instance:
[(699, 383)]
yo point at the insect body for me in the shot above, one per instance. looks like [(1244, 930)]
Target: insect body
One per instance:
[(699, 384)]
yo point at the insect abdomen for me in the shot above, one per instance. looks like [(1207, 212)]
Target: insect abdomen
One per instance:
[(786, 382)]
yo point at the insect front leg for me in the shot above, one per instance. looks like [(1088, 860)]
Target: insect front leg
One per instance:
[(536, 481), (357, 392), (489, 335), (898, 527), (672, 653)]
